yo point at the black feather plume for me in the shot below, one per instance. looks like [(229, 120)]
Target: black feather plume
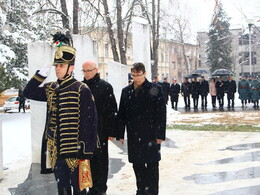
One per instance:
[(61, 38)]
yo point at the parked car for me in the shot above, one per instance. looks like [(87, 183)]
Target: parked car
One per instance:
[(13, 103)]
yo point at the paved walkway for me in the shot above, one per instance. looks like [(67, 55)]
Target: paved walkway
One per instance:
[(193, 163)]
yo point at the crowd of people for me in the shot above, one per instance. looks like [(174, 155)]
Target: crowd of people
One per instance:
[(248, 90), (82, 116)]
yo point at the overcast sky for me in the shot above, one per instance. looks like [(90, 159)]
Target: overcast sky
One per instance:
[(237, 10)]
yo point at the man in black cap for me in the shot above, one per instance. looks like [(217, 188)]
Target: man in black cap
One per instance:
[(166, 89), (70, 134)]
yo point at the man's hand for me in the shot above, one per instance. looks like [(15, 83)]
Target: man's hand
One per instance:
[(122, 141), (111, 138), (44, 71), (159, 141)]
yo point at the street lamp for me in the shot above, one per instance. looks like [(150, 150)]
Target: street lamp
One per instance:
[(250, 24)]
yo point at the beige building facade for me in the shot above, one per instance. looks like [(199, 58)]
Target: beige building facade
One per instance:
[(171, 63)]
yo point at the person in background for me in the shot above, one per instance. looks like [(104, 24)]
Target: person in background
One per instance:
[(213, 92), (142, 112), (21, 100), (220, 86), (249, 80), (166, 89), (255, 91), (204, 90), (70, 134), (106, 109), (231, 88), (174, 94), (195, 88), (156, 80), (186, 91), (243, 90)]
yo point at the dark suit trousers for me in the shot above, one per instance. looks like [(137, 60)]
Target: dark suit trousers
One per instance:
[(99, 167), (147, 178)]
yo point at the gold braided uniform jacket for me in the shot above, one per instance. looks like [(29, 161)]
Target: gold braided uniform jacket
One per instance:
[(71, 123)]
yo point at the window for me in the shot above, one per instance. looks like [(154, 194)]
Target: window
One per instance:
[(95, 48), (173, 50), (162, 57), (106, 50), (173, 65)]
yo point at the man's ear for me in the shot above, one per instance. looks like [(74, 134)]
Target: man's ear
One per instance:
[(71, 68)]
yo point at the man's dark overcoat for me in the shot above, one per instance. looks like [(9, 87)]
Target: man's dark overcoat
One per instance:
[(143, 113), (174, 92), (231, 88)]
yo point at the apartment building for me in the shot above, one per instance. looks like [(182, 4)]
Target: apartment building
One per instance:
[(171, 62)]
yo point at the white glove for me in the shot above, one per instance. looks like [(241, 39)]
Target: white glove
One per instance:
[(45, 70)]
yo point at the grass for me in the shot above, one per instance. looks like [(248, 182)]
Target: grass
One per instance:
[(210, 127)]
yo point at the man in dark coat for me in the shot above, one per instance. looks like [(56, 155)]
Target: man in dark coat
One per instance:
[(220, 86), (166, 89), (195, 92), (21, 100), (142, 111), (231, 88), (106, 109), (174, 94), (70, 133), (204, 90), (185, 91)]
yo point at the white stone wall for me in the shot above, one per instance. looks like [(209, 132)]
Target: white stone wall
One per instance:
[(141, 44), (117, 77)]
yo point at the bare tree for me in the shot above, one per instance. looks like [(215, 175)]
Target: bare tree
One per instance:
[(179, 24), (153, 18), (64, 17), (75, 17), (120, 27)]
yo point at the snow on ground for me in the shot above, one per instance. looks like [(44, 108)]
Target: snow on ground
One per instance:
[(190, 153), (16, 132)]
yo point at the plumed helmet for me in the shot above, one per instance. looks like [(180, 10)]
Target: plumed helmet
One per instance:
[(65, 53)]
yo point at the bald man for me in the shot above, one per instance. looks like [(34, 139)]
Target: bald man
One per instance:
[(106, 108)]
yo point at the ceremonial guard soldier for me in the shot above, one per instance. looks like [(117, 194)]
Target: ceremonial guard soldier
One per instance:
[(174, 94), (70, 134), (243, 90), (255, 91), (249, 80)]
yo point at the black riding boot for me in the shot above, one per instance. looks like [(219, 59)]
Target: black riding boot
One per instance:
[(64, 191)]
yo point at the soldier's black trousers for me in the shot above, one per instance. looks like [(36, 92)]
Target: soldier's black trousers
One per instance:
[(147, 178), (99, 167), (64, 176)]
